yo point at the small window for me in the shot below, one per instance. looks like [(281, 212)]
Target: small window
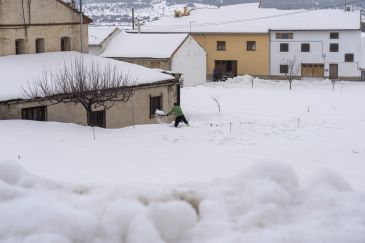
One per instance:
[(284, 68), (251, 45), (98, 119), (284, 47), (155, 104), (38, 113), (305, 47), (334, 47), (39, 45), (349, 57), (19, 46), (284, 35), (334, 35), (65, 44), (221, 45)]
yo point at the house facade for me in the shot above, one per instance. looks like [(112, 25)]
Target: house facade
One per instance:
[(151, 90), (247, 39), (139, 109), (38, 26), (178, 53), (333, 54), (235, 54)]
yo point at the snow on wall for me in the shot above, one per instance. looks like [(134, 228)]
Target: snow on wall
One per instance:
[(13, 79), (143, 45), (349, 42), (190, 60), (100, 37)]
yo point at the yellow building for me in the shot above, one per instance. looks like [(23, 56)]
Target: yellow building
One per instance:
[(234, 46), (236, 54)]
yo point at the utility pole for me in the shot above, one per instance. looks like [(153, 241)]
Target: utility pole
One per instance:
[(81, 21), (132, 18)]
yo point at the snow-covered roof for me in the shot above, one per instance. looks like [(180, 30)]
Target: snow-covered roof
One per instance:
[(144, 45), (250, 18), (20, 70), (98, 34)]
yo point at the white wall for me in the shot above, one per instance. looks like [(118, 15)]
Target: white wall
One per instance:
[(191, 61), (349, 42)]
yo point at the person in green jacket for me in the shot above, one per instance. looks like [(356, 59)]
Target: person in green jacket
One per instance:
[(177, 111)]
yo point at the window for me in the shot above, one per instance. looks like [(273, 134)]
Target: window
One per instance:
[(221, 45), (305, 47), (334, 35), (251, 45), (97, 119), (284, 68), (65, 44), (19, 46), (39, 45), (284, 47), (284, 35), (334, 47), (349, 57), (38, 113), (155, 104)]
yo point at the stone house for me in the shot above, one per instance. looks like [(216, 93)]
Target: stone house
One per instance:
[(178, 53), (37, 26), (151, 90)]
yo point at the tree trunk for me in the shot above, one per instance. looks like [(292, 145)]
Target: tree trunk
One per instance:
[(290, 85), (88, 114)]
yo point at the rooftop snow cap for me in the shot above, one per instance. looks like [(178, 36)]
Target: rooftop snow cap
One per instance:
[(250, 18), (13, 80)]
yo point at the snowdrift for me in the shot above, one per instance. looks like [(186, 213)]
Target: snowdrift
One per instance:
[(264, 203)]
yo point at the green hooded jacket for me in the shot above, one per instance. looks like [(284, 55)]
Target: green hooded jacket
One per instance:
[(176, 110)]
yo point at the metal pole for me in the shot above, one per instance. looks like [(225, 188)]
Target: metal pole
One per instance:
[(132, 18), (81, 21)]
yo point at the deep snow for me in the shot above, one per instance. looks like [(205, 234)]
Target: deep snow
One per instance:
[(273, 166)]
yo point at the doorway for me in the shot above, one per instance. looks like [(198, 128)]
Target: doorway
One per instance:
[(333, 71), (225, 69)]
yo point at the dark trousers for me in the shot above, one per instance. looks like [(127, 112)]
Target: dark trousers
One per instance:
[(179, 119)]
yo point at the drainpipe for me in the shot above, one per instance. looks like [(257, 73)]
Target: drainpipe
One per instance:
[(81, 21)]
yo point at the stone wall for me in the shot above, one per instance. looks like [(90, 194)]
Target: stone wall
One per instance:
[(135, 111), (48, 19)]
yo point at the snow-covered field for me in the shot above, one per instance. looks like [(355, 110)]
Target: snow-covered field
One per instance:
[(273, 166)]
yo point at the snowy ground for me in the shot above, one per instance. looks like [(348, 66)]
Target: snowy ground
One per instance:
[(273, 166)]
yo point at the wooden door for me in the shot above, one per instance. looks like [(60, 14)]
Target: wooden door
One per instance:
[(333, 71)]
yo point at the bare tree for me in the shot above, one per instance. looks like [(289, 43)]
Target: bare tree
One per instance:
[(251, 80), (82, 82), (293, 70), (333, 81), (216, 99)]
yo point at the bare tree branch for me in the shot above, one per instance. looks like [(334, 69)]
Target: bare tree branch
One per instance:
[(82, 82)]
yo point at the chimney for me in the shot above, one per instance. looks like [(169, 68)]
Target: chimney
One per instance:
[(177, 13), (186, 11)]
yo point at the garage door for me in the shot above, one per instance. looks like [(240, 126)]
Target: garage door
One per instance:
[(310, 70)]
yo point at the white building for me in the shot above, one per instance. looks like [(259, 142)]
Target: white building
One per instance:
[(323, 43), (178, 53), (330, 48), (99, 38)]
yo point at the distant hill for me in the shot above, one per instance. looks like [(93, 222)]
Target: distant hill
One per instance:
[(282, 4), (116, 12)]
